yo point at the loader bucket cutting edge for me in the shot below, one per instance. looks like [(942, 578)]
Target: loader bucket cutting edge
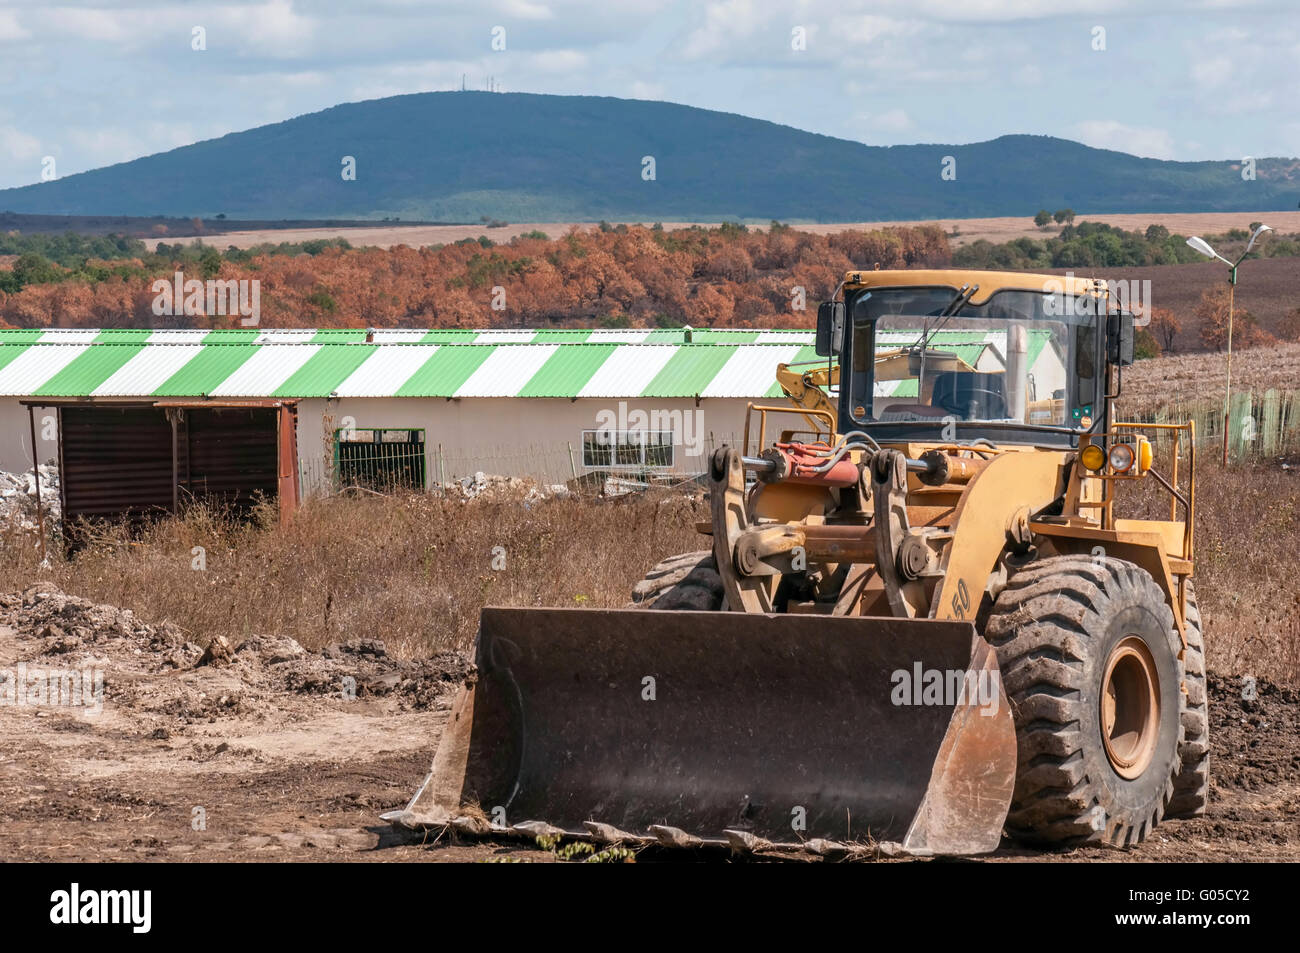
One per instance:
[(788, 728)]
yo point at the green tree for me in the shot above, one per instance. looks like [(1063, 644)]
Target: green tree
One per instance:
[(34, 269), (1145, 345), (1043, 218), (210, 262)]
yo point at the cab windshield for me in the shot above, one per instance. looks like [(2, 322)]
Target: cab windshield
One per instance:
[(920, 358)]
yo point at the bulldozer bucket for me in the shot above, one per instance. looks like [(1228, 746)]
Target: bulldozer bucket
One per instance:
[(730, 728)]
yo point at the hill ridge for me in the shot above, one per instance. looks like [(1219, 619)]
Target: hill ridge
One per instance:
[(466, 156)]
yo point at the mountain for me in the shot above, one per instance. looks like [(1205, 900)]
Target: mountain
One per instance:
[(457, 156)]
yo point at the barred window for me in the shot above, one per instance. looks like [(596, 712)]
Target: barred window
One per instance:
[(380, 459), (627, 448)]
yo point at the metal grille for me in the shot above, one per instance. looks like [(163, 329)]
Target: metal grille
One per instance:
[(627, 448), (380, 459)]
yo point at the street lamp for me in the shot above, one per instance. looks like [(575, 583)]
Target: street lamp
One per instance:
[(1202, 246)]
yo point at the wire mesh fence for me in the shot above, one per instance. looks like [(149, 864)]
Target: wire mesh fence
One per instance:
[(1260, 425), (385, 466)]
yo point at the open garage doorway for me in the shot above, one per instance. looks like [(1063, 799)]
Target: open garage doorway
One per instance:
[(134, 461)]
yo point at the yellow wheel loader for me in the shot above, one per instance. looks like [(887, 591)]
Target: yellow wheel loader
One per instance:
[(919, 626)]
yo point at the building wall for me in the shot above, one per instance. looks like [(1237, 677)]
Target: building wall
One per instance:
[(510, 436), (514, 436), (15, 436)]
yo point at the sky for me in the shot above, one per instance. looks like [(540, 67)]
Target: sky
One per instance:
[(88, 84)]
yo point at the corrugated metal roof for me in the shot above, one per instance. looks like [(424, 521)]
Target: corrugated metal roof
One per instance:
[(629, 370), (263, 373), (238, 362), (199, 376), (326, 368), (148, 370), (449, 367), (94, 365), (506, 370), (568, 364), (691, 369), (29, 370), (750, 361), (388, 367)]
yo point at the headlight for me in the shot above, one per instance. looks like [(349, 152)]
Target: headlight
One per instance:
[(1121, 457), (1146, 456), (1093, 457)]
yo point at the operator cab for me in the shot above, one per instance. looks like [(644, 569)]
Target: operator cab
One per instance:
[(930, 362)]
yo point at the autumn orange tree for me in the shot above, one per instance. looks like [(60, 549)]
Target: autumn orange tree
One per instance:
[(1212, 313), (1165, 327), (626, 276)]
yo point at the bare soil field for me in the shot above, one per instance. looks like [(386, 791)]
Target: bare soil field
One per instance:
[(1266, 287), (968, 229), (259, 756), (1202, 375)]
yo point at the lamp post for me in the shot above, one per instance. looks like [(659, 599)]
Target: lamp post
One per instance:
[(1201, 245)]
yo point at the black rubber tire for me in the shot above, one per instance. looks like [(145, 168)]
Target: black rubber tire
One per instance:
[(1192, 785), (1054, 627), (685, 581)]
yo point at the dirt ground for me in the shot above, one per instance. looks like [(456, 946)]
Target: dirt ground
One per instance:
[(969, 229), (267, 752)]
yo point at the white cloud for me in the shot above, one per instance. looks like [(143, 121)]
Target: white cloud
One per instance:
[(1212, 73), (17, 145), (273, 29), (725, 23), (103, 26), (305, 79), (644, 90), (865, 29), (10, 28), (526, 10), (556, 61), (945, 11), (892, 120), (366, 91), (89, 148), (1148, 142), (1029, 75), (169, 135)]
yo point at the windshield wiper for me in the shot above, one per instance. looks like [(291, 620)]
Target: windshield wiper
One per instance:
[(963, 295)]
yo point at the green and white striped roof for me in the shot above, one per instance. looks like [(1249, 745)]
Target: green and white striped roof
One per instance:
[(397, 363), (411, 362)]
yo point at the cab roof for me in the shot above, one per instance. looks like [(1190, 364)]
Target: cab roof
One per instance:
[(989, 282)]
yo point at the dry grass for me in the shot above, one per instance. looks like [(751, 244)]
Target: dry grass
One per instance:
[(1248, 518), (1247, 528), (413, 570)]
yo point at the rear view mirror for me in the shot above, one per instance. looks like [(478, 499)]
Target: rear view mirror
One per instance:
[(830, 328), (1119, 338)]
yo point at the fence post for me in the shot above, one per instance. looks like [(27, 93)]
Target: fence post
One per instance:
[(1240, 415)]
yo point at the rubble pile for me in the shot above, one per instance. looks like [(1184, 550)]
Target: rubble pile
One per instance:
[(18, 496)]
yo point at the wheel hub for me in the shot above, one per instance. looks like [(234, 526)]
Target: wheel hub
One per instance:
[(1130, 708)]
